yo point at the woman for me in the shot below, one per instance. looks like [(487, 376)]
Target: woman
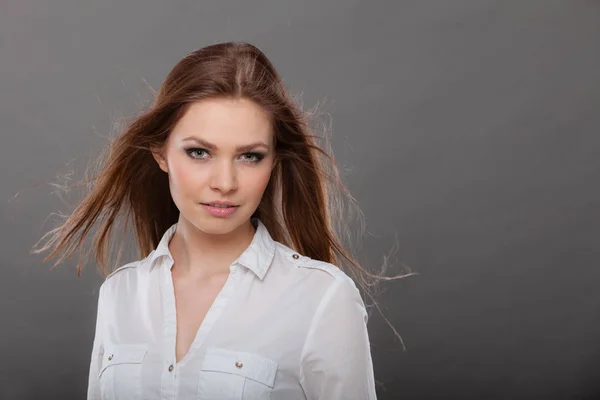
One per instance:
[(238, 295)]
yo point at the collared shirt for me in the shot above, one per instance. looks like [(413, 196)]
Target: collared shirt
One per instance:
[(283, 327)]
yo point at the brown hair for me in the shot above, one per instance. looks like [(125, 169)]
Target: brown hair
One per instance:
[(305, 204)]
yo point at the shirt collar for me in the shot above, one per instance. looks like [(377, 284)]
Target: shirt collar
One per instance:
[(257, 257)]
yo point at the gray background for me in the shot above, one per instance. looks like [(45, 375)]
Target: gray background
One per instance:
[(469, 129)]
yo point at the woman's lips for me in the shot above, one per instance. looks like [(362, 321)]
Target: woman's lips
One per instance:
[(220, 211)]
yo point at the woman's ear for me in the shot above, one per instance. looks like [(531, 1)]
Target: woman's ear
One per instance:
[(160, 159)]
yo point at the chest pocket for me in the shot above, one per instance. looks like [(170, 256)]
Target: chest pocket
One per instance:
[(121, 373), (235, 375)]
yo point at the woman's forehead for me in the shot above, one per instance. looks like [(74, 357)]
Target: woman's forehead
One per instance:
[(229, 122)]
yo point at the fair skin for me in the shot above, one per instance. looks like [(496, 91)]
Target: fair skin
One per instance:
[(213, 167)]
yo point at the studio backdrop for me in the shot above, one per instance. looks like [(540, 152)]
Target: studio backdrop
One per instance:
[(467, 130)]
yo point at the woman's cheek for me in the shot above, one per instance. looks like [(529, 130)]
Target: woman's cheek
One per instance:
[(259, 179), (185, 181)]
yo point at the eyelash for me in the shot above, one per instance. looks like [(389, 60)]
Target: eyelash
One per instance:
[(257, 156)]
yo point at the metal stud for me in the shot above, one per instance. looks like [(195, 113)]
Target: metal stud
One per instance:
[(239, 364)]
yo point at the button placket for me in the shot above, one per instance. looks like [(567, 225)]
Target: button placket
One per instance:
[(169, 377)]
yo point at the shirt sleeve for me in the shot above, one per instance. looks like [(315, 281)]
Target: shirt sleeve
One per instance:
[(93, 391), (336, 360)]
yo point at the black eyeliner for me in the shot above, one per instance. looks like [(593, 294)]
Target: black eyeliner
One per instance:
[(258, 156)]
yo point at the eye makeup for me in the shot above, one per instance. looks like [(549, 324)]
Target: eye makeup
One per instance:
[(255, 156)]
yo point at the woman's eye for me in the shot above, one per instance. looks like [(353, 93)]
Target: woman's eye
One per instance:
[(195, 153), (200, 154), (253, 157)]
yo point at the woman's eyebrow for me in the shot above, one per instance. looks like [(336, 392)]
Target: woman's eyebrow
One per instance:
[(240, 148)]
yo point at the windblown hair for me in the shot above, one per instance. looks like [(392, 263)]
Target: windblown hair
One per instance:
[(305, 204)]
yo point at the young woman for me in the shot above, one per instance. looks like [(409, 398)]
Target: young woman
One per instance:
[(239, 294)]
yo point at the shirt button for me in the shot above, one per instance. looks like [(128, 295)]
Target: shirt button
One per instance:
[(110, 357), (296, 256), (239, 364), (171, 368)]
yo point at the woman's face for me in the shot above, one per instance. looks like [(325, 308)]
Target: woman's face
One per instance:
[(220, 151)]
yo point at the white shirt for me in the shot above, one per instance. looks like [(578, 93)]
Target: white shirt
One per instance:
[(283, 327)]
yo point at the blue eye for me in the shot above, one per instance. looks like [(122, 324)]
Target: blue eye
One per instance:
[(197, 153), (190, 152), (257, 157)]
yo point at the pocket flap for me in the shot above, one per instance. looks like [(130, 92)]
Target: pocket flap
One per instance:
[(248, 365), (123, 354)]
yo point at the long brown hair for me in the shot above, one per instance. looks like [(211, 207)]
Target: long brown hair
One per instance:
[(305, 205)]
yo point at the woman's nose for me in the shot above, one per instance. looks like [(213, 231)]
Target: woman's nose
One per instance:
[(223, 177)]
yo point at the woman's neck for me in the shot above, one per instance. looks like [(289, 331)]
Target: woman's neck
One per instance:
[(200, 255)]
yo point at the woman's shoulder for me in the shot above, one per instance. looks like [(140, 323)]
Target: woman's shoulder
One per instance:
[(323, 282), (318, 269), (122, 269), (127, 273)]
